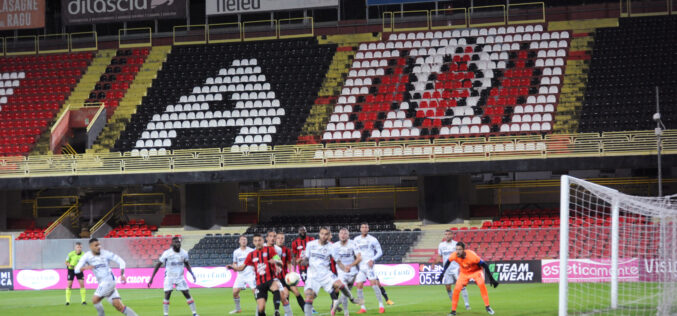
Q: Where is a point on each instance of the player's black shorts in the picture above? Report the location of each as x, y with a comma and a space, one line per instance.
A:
263, 288
72, 275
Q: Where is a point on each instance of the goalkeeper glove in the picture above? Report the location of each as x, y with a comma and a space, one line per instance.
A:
440, 277
487, 273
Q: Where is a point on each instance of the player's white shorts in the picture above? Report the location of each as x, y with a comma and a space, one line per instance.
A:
107, 290
180, 283
365, 273
317, 281
243, 281
347, 278
450, 276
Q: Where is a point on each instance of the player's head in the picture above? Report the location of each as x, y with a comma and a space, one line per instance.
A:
78, 247
176, 243
258, 241
364, 228
270, 237
460, 249
243, 241
325, 234
302, 232
344, 234
95, 246
448, 235
279, 239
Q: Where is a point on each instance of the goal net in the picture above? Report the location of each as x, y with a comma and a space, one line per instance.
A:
619, 252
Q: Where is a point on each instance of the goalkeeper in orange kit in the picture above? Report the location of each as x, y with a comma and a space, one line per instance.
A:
470, 268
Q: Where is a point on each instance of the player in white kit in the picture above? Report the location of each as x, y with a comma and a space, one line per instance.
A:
98, 260
175, 259
246, 277
347, 258
444, 250
317, 257
371, 251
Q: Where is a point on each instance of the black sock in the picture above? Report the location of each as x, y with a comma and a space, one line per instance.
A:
301, 301
383, 292
262, 313
334, 296
276, 300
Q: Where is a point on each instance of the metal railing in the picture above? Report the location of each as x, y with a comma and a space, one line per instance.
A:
106, 217
43, 203
492, 148
73, 212
440, 19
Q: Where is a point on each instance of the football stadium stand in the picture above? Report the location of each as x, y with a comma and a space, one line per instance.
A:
32, 91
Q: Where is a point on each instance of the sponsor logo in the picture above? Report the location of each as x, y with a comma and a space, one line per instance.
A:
212, 277
516, 271
6, 279
37, 279
399, 274
589, 270
657, 269
100, 11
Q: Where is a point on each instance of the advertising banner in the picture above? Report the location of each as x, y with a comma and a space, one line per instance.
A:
219, 7
207, 277
384, 2
528, 271
103, 11
591, 270
22, 14
656, 269
6, 280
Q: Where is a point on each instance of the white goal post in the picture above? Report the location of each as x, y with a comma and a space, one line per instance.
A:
618, 253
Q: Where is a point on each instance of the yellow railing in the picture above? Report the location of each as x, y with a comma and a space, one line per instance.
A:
141, 37
212, 32
345, 154
131, 200
46, 37
323, 194
83, 48
304, 20
105, 218
490, 15
268, 26
195, 34
632, 8
95, 117
61, 218
37, 206
21, 39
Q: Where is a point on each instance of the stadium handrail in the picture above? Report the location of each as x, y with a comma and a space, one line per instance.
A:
105, 218
58, 221
608, 144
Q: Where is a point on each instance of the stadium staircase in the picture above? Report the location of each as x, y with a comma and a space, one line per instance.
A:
331, 86
575, 76
77, 98
426, 246
137, 90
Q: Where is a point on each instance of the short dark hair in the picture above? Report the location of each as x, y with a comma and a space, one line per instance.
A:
304, 228
460, 243
447, 230
176, 238
343, 227
77, 243
271, 231
93, 240
256, 235
364, 223
326, 228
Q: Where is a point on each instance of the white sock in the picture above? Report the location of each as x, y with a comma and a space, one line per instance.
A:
191, 304
360, 295
344, 301
99, 309
308, 309
128, 311
451, 295
237, 304
287, 310
379, 297
466, 300
165, 306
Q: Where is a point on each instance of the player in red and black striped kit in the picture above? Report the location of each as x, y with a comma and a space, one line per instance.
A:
266, 264
298, 246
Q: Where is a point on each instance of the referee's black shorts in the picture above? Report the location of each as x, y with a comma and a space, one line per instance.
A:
72, 275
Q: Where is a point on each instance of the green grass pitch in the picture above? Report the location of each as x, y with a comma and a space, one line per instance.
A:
507, 299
